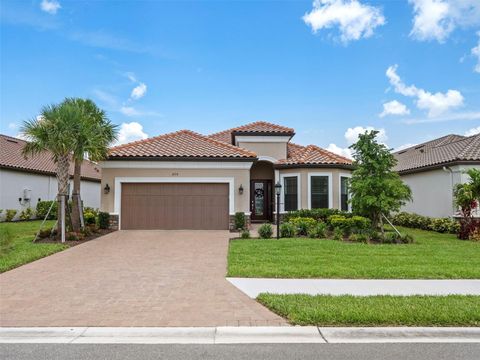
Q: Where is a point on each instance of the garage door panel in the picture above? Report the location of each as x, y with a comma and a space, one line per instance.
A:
174, 206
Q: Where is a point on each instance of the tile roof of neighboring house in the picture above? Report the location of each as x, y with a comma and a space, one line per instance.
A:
444, 150
312, 155
11, 157
258, 128
180, 144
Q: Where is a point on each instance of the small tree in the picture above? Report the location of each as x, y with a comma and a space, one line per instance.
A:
375, 187
467, 199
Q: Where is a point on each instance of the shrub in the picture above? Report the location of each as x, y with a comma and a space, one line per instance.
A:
43, 207
245, 234
93, 228
337, 233
442, 225
287, 230
103, 220
86, 231
360, 224
45, 233
239, 220
302, 224
361, 238
317, 231
6, 240
265, 231
26, 214
10, 214
89, 217
406, 239
316, 214
72, 236
391, 238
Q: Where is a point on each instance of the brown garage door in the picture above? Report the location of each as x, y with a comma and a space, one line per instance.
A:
174, 206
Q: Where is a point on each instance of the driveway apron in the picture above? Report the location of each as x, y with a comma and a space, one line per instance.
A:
132, 278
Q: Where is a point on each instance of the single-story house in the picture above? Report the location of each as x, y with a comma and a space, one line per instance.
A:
432, 170
185, 180
26, 180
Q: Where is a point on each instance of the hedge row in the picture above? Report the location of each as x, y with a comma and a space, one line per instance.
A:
441, 225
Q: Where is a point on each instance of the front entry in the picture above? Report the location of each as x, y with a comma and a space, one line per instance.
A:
261, 200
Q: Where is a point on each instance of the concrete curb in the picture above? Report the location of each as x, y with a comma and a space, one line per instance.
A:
237, 335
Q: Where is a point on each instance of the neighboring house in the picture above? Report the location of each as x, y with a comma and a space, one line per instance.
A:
184, 180
26, 180
433, 168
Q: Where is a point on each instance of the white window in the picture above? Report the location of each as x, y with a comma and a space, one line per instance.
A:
320, 190
344, 193
290, 193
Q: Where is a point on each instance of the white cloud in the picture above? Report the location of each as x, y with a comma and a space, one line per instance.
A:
476, 53
340, 151
436, 19
139, 91
473, 131
50, 6
129, 111
354, 19
394, 107
462, 116
436, 104
130, 132
13, 126
351, 135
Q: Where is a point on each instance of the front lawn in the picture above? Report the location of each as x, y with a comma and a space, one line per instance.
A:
432, 256
326, 310
24, 250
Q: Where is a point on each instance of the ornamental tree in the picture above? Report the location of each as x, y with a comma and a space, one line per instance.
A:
376, 188
467, 199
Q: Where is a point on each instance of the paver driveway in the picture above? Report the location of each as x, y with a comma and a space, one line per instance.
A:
131, 278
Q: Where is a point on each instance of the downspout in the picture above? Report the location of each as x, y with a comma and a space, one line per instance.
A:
448, 169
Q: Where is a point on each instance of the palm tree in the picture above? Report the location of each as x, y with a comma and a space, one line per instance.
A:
52, 131
93, 134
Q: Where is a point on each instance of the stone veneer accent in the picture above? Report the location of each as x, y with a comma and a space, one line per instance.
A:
113, 222
232, 222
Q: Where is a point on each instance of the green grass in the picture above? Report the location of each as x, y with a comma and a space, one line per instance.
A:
325, 310
24, 250
432, 256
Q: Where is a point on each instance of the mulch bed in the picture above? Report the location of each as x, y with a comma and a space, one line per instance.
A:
51, 240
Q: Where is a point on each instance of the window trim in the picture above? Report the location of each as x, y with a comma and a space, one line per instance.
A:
282, 192
330, 188
345, 175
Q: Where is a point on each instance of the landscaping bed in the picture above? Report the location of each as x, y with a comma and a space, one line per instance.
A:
22, 250
327, 310
432, 256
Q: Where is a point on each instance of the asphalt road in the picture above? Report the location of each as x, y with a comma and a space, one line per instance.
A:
241, 352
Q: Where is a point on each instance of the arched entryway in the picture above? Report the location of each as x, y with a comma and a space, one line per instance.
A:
261, 191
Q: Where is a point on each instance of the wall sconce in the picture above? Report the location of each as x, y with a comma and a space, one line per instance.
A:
106, 189
240, 189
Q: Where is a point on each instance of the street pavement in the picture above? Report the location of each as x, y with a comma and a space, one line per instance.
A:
404, 351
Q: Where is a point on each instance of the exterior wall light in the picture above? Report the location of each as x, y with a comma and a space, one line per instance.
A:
106, 189
240, 189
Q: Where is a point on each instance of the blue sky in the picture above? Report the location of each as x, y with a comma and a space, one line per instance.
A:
321, 68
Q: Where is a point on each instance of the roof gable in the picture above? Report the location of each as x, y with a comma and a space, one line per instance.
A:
11, 157
447, 149
312, 155
253, 129
180, 144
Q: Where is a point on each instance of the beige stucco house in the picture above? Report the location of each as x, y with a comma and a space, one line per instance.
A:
432, 169
185, 180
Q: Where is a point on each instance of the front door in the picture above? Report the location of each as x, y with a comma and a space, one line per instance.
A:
261, 199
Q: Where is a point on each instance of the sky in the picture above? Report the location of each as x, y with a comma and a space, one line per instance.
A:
329, 68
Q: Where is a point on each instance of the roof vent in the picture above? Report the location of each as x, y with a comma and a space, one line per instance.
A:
12, 141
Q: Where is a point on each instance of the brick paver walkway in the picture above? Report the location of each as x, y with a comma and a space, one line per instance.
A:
131, 278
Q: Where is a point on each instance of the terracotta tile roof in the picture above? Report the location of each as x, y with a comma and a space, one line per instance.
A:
180, 144
444, 150
11, 157
258, 127
312, 155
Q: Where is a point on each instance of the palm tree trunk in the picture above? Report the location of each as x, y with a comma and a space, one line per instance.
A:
76, 196
63, 165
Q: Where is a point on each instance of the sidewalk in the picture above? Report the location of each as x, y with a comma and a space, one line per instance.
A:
254, 286
237, 335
